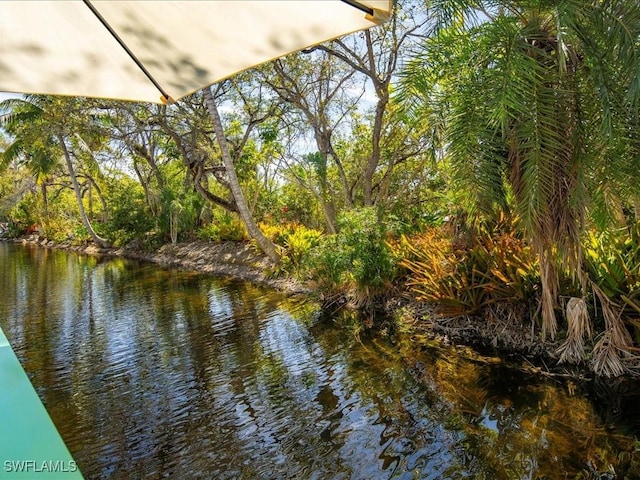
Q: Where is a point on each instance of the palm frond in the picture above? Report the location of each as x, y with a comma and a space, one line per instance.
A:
12, 153
578, 327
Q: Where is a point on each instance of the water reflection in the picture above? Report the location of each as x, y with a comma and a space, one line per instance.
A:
152, 373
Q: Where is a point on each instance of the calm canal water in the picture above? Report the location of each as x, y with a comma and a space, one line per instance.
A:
157, 373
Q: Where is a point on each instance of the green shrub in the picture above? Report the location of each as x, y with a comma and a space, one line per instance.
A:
24, 214
181, 213
57, 224
299, 243
128, 215
356, 263
224, 227
613, 263
278, 233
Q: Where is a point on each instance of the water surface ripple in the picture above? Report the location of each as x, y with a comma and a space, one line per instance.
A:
155, 373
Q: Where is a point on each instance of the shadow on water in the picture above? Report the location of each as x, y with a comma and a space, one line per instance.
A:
155, 373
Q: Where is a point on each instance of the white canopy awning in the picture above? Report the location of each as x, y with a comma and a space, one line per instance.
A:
143, 50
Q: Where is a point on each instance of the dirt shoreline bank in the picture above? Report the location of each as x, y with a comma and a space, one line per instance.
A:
237, 260
491, 337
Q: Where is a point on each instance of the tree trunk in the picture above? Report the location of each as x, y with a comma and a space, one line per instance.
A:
44, 222
382, 93
45, 197
243, 210
374, 159
90, 193
98, 191
101, 242
636, 207
323, 140
329, 214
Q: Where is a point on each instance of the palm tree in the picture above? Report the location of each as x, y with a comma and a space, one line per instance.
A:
38, 158
43, 129
533, 92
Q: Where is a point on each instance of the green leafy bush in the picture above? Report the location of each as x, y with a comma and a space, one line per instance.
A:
181, 214
57, 222
299, 243
224, 227
356, 263
295, 243
128, 217
23, 215
613, 263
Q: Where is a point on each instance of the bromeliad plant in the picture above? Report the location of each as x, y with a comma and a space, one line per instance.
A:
299, 243
465, 276
294, 243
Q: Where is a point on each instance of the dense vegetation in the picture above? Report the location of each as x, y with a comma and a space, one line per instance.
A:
481, 155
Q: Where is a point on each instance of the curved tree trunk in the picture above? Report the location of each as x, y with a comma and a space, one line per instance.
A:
243, 209
101, 242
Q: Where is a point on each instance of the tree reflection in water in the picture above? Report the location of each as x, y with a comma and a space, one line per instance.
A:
151, 373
